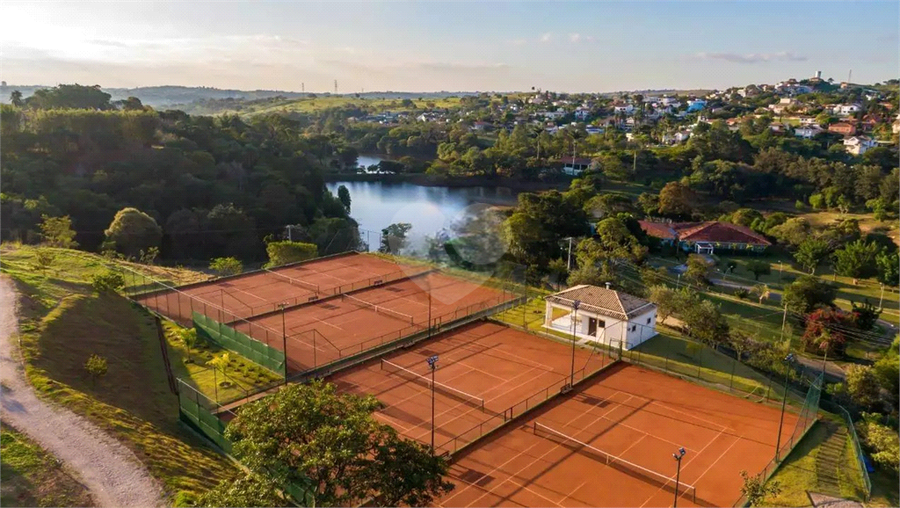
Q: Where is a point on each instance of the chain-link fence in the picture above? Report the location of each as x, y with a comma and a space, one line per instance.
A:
807, 416
859, 456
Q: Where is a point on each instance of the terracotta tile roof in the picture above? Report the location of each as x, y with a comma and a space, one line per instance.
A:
658, 229
715, 231
603, 301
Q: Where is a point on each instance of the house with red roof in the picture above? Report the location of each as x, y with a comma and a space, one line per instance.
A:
706, 237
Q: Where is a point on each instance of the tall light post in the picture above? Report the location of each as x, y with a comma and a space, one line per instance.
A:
432, 363
575, 305
284, 341
788, 361
678, 456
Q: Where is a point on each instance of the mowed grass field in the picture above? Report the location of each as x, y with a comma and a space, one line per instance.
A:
29, 476
63, 321
322, 102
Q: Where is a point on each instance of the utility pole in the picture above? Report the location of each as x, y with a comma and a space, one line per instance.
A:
569, 262
783, 321
303, 87
881, 300
335, 86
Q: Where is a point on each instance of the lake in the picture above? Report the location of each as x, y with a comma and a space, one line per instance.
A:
430, 210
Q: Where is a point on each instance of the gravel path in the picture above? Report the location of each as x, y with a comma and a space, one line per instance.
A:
110, 471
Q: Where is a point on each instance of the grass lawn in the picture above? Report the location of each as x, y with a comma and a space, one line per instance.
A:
797, 474
322, 102
29, 476
62, 322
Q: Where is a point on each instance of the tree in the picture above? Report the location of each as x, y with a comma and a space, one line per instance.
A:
677, 200
667, 300
888, 268
393, 237
96, 367
250, 490
882, 442
344, 196
221, 363
697, 269
44, 259
588, 274
705, 322
865, 316
189, 338
15, 98
793, 232
132, 231
807, 293
285, 252
761, 291
109, 281
863, 386
824, 332
226, 266
57, 232
308, 434
811, 252
857, 260
559, 269
758, 267
756, 489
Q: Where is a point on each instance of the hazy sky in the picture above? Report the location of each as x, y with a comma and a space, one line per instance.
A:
426, 46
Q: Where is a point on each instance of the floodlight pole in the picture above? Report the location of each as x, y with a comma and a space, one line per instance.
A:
284, 341
678, 456
789, 361
432, 363
575, 305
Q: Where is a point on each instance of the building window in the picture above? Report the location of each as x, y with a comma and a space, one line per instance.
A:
601, 323
648, 320
634, 328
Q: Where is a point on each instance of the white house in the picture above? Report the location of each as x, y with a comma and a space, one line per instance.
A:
808, 131
846, 109
552, 115
601, 315
623, 108
858, 145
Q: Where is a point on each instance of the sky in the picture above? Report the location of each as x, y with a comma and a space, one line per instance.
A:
594, 46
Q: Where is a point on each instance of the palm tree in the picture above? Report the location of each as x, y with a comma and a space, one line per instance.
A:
537, 130
16, 99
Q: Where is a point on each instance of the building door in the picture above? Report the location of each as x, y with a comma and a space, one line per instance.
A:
592, 327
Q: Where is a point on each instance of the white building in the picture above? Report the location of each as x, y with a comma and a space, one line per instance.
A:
846, 109
808, 131
858, 145
605, 316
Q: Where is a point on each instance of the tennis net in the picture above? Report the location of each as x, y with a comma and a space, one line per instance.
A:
293, 281
393, 368
618, 462
379, 309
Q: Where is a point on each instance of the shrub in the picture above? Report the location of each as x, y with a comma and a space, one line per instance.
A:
741, 293
96, 367
109, 281
282, 253
226, 266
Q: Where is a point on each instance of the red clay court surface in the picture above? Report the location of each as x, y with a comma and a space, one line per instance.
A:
255, 293
638, 415
499, 365
334, 328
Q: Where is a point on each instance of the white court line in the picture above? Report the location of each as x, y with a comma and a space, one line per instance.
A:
632, 445
688, 463
667, 408
535, 493
526, 466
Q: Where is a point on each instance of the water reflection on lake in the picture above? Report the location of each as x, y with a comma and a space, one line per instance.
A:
430, 210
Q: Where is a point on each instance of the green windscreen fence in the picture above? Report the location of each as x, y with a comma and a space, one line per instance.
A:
233, 340
193, 410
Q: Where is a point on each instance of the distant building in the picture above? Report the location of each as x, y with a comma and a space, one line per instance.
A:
574, 166
706, 237
846, 109
842, 128
858, 145
808, 131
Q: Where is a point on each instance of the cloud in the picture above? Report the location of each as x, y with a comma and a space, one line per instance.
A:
575, 37
546, 37
752, 58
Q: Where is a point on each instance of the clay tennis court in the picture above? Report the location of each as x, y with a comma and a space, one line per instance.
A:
484, 370
255, 293
638, 416
327, 330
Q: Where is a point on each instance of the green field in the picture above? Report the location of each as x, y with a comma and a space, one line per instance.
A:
29, 476
320, 103
63, 321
